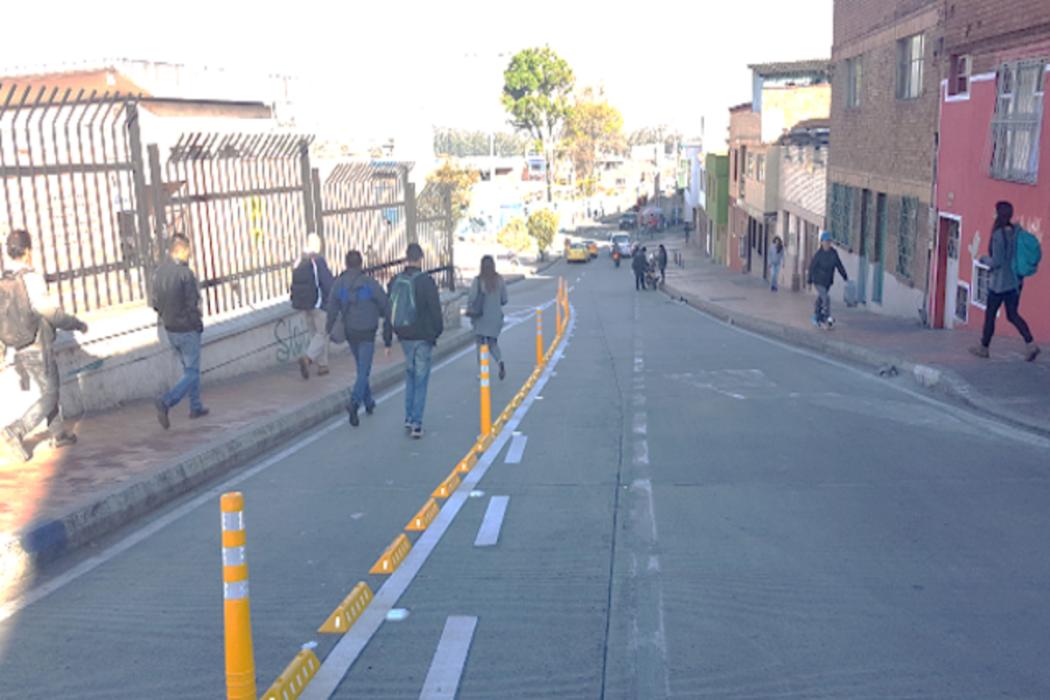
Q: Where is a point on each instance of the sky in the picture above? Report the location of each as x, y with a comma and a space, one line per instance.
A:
399, 69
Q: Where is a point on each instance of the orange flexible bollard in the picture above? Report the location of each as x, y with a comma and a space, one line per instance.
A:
539, 337
240, 657
486, 393
557, 307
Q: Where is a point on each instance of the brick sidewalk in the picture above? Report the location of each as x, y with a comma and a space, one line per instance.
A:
1005, 385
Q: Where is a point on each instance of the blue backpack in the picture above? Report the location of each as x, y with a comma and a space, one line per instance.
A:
1027, 255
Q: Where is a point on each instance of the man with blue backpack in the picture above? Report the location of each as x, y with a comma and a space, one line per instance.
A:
1013, 255
359, 301
415, 315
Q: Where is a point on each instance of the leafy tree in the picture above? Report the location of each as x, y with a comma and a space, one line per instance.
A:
515, 236
447, 177
592, 128
536, 90
542, 226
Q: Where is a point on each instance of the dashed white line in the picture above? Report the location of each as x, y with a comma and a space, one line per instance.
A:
517, 449
446, 668
488, 533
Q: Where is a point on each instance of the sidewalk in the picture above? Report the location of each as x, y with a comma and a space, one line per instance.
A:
1005, 386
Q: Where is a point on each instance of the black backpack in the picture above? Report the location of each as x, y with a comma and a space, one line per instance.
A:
19, 324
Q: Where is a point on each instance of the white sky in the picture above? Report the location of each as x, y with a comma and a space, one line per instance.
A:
392, 68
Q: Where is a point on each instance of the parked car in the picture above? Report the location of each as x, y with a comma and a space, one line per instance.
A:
622, 243
578, 253
592, 248
628, 221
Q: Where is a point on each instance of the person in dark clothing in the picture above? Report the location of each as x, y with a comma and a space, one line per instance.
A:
416, 318
661, 261
360, 302
822, 274
638, 264
311, 284
176, 299
1004, 284
33, 317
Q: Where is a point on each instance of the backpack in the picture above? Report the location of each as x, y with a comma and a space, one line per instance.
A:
19, 324
403, 301
1027, 254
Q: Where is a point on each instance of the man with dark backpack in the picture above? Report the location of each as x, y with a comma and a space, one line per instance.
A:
28, 319
358, 301
415, 315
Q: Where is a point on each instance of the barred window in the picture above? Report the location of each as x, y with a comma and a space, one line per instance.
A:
842, 203
1017, 122
907, 233
981, 275
910, 69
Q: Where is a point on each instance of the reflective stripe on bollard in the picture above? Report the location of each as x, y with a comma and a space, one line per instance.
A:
240, 658
486, 393
539, 337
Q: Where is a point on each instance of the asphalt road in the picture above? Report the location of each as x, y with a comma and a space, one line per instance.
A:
697, 513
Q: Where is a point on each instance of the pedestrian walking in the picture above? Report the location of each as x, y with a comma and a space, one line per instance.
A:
29, 317
776, 259
822, 274
639, 265
1004, 284
358, 301
415, 316
661, 261
488, 296
176, 299
311, 284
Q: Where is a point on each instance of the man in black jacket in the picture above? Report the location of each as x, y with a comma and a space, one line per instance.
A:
311, 284
639, 263
415, 315
177, 300
360, 302
822, 275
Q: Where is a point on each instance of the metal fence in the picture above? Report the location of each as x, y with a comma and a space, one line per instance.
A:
101, 207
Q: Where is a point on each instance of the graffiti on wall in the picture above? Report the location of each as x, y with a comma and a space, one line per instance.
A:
291, 337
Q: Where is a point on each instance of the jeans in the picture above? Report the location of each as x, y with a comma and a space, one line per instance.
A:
774, 275
493, 344
639, 280
317, 350
188, 347
417, 375
363, 352
1011, 300
822, 307
40, 365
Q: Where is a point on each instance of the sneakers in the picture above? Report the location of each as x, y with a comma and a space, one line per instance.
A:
63, 440
322, 370
162, 413
304, 367
417, 432
815, 320
1031, 351
370, 407
502, 372
408, 425
351, 409
980, 351
14, 441
194, 415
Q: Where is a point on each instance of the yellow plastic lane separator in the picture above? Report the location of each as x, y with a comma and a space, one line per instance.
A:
349, 610
539, 337
392, 556
240, 657
295, 677
421, 520
486, 393
467, 463
446, 487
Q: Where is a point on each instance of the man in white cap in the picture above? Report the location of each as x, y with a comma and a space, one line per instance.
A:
311, 282
822, 275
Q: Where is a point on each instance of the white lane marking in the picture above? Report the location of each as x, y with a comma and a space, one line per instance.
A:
446, 668
516, 450
641, 452
639, 400
338, 662
42, 591
488, 533
641, 424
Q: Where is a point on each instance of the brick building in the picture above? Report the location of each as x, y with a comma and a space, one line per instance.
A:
745, 135
882, 148
994, 145
802, 196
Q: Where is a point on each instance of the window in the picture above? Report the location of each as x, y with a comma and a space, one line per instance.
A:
751, 165
906, 235
910, 52
959, 80
1017, 122
842, 202
854, 82
962, 302
760, 168
980, 285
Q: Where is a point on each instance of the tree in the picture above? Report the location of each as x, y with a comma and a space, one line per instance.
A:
542, 226
448, 177
592, 128
536, 89
514, 236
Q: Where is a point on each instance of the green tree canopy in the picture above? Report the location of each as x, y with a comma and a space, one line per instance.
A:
514, 236
593, 127
542, 226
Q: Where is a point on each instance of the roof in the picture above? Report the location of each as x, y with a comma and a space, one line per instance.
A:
791, 68
743, 106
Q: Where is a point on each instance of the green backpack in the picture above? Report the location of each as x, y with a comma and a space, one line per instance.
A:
1027, 255
403, 301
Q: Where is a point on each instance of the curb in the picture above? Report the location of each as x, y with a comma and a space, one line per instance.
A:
42, 542
926, 377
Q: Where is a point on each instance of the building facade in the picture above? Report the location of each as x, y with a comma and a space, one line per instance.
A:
802, 196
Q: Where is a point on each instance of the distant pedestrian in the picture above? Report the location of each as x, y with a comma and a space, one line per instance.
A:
488, 296
1004, 284
358, 302
176, 298
822, 274
415, 315
776, 259
639, 265
311, 283
28, 319
661, 261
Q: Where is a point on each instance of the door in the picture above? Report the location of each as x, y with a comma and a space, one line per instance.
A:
878, 248
951, 229
867, 212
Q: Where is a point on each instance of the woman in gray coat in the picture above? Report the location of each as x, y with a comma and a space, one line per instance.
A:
488, 296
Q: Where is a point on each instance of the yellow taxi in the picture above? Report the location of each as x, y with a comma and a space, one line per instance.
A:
577, 253
592, 248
